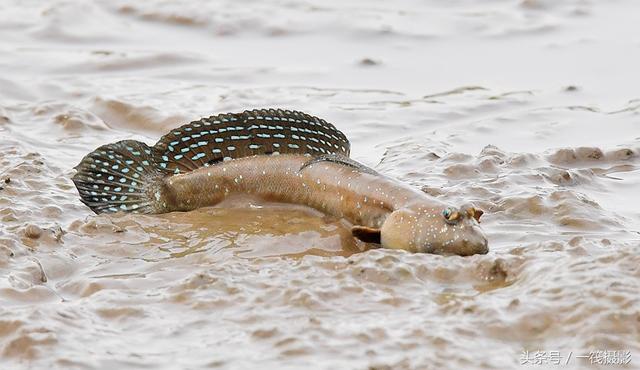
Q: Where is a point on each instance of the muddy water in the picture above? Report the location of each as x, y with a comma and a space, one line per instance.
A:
530, 109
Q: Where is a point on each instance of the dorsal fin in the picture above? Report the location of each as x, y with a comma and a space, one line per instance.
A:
337, 158
256, 132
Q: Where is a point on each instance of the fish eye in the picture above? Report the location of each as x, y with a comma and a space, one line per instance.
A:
451, 215
471, 212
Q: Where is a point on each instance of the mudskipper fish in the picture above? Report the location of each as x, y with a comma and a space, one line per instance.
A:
280, 156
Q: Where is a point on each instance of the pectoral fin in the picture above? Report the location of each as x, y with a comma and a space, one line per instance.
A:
366, 234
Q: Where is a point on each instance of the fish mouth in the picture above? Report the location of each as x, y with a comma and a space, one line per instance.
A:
485, 248
477, 246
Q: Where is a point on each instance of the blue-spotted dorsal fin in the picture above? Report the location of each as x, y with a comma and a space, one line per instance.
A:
121, 176
256, 132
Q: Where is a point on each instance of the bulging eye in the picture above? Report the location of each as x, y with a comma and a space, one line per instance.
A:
451, 215
471, 212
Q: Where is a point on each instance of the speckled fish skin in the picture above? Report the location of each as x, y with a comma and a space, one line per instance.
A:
408, 219
277, 155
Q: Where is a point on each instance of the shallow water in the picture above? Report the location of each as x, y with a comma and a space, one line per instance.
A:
529, 109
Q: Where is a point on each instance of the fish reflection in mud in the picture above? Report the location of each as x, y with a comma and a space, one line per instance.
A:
258, 231
548, 147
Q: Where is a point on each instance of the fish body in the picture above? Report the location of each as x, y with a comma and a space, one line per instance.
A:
279, 156
329, 187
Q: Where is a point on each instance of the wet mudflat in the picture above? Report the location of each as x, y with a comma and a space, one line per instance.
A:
529, 109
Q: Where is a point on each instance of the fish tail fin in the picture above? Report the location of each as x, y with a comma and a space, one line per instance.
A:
121, 176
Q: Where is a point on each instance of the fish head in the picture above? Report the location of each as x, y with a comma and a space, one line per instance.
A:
435, 229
